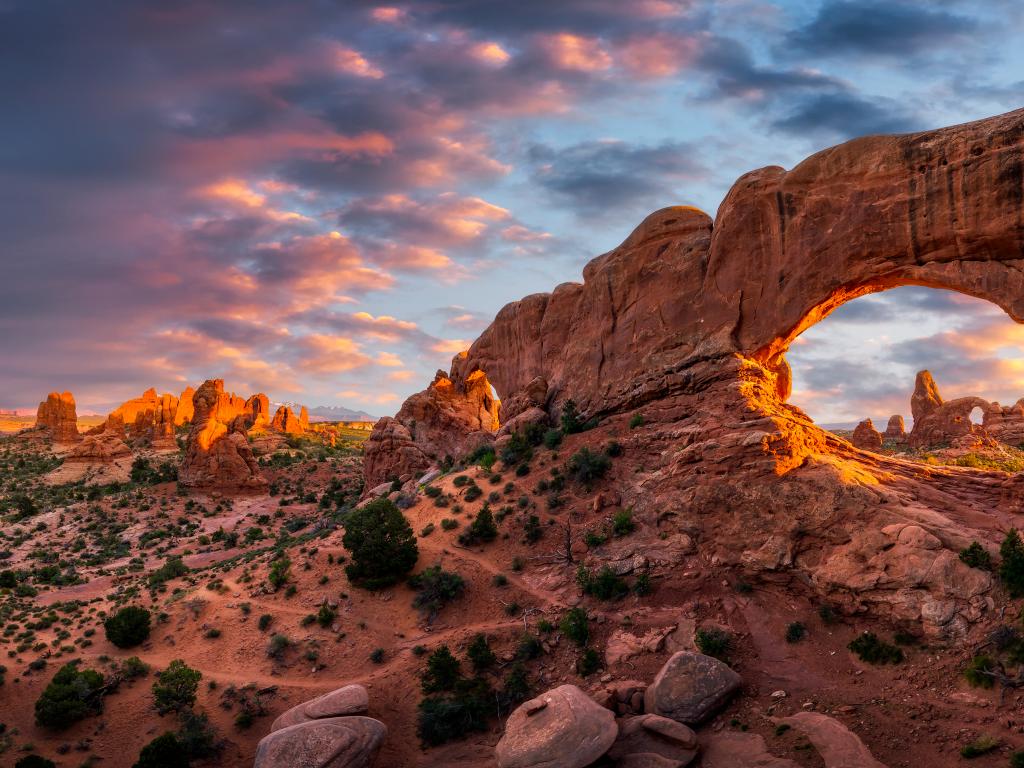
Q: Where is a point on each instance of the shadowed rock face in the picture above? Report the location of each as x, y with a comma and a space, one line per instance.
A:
688, 322
58, 415
217, 455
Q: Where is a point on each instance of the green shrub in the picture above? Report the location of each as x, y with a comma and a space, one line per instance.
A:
175, 687
515, 687
435, 589
326, 615
1017, 759
382, 544
34, 761
874, 651
588, 663
480, 654
622, 522
472, 493
164, 751
128, 627
1011, 570
636, 420
73, 694
264, 622
586, 466
642, 586
280, 572
278, 645
172, 568
714, 642
604, 585
795, 632
975, 673
532, 532
447, 717
575, 626
482, 529
980, 746
552, 439
976, 556
377, 656
571, 423
442, 672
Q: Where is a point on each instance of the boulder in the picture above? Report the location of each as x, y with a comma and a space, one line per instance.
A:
649, 734
866, 437
348, 700
838, 746
563, 728
57, 415
334, 742
895, 430
691, 687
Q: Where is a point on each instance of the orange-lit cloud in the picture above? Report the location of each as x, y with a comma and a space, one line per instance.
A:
576, 52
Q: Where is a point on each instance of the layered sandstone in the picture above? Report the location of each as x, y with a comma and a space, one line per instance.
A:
57, 415
447, 419
895, 431
258, 407
217, 453
285, 421
687, 323
150, 418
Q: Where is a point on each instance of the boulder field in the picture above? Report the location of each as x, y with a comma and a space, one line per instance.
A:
684, 328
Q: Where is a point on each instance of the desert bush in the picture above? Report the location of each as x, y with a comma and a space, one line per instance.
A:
795, 632
976, 673
1011, 570
34, 761
588, 663
128, 627
571, 423
442, 671
72, 694
586, 466
280, 571
264, 622
532, 532
604, 585
976, 556
622, 522
446, 717
875, 651
278, 645
164, 751
175, 688
382, 544
574, 625
636, 420
552, 438
714, 642
480, 654
172, 568
482, 529
980, 746
435, 589
326, 615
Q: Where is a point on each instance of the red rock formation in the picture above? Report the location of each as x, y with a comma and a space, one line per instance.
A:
689, 324
866, 437
57, 415
285, 421
896, 431
1006, 424
185, 412
304, 418
938, 423
150, 418
258, 407
217, 455
446, 419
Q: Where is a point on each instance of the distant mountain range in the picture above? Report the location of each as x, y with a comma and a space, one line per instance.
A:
335, 413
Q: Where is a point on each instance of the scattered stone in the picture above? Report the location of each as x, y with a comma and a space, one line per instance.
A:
691, 687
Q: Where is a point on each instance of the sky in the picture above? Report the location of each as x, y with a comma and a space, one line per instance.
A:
325, 200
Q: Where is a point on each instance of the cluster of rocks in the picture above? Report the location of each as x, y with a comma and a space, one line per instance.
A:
566, 728
945, 423
330, 731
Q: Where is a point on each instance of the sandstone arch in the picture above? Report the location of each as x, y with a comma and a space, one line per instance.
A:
688, 322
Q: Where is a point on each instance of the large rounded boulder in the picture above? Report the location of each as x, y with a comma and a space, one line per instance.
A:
691, 687
335, 742
348, 700
563, 728
653, 740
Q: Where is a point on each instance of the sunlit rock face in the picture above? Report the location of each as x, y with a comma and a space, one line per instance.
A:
286, 421
58, 416
150, 418
217, 454
446, 419
866, 437
938, 423
688, 321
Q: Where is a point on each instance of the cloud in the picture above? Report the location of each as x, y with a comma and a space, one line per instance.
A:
892, 28
605, 175
844, 115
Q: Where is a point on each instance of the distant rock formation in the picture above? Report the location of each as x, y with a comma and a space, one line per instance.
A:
304, 418
285, 421
217, 454
57, 415
150, 418
896, 431
1006, 424
185, 411
101, 457
866, 437
941, 423
446, 419
258, 407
